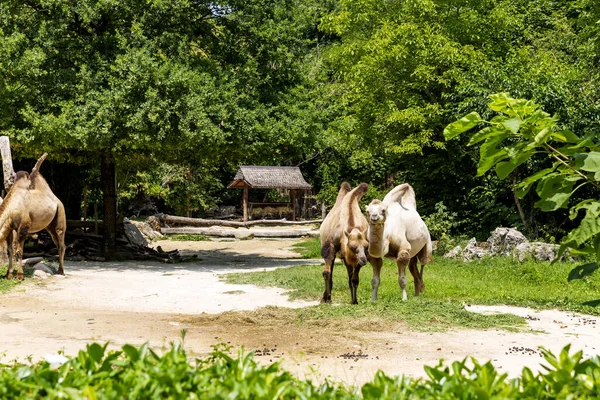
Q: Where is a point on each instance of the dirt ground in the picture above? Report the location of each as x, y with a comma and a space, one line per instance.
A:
150, 302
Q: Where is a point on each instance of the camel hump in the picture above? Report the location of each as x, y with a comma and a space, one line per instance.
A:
403, 194
344, 189
359, 192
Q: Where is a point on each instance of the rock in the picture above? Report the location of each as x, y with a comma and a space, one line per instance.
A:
147, 230
44, 268
134, 236
472, 251
504, 241
154, 223
39, 274
243, 233
454, 253
538, 251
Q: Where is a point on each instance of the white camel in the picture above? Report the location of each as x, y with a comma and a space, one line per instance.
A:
397, 232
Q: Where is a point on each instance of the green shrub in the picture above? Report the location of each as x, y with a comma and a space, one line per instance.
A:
140, 373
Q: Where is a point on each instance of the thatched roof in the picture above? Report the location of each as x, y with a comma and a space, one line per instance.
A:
261, 177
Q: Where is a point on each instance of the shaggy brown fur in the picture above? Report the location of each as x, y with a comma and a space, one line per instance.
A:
29, 207
344, 233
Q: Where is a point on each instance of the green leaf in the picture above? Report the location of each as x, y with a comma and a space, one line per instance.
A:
503, 169
543, 135
462, 125
481, 135
566, 136
589, 162
95, 351
555, 190
131, 352
512, 124
588, 228
489, 153
526, 183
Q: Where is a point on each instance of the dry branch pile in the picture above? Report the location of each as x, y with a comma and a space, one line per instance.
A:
84, 246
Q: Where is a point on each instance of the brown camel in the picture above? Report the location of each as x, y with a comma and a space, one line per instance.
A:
29, 207
344, 233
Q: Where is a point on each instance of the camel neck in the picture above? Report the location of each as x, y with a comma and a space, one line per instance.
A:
376, 240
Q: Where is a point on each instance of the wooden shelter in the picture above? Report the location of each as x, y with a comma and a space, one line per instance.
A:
269, 177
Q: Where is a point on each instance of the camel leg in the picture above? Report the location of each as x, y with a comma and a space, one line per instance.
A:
414, 270
376, 263
57, 229
402, 261
353, 280
21, 236
328, 254
424, 258
11, 253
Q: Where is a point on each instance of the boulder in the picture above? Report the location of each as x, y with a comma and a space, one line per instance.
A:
44, 268
473, 251
454, 253
243, 233
504, 241
538, 251
39, 274
133, 235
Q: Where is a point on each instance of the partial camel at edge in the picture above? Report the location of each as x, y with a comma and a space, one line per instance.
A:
344, 234
29, 207
397, 232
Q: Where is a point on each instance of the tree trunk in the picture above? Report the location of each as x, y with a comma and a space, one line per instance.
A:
109, 189
7, 164
518, 204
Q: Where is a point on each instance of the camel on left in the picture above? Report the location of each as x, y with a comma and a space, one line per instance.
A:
29, 207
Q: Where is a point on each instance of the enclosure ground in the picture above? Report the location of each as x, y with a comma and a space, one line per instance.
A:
150, 302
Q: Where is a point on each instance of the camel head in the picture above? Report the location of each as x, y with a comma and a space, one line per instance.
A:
376, 212
357, 244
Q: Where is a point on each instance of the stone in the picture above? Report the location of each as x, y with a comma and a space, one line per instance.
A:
504, 241
472, 251
538, 251
43, 267
134, 236
243, 234
39, 274
454, 253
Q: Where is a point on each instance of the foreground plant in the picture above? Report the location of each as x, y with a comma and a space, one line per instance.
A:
140, 373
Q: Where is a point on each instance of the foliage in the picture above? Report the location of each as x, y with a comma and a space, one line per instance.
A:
141, 373
518, 135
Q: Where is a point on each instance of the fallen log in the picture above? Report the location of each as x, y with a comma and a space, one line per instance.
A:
238, 233
172, 219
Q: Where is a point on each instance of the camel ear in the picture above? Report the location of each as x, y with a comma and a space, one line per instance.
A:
347, 233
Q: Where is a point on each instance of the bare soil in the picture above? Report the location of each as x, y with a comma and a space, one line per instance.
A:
134, 302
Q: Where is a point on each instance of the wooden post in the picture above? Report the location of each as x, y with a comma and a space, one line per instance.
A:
293, 198
245, 203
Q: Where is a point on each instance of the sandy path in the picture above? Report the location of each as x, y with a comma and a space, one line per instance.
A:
139, 302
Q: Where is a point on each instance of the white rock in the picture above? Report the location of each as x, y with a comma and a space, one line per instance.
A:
504, 241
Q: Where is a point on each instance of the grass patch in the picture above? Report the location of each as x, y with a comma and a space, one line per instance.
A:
449, 285
234, 292
308, 248
188, 238
9, 284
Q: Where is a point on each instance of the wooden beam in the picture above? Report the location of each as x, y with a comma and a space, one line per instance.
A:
172, 219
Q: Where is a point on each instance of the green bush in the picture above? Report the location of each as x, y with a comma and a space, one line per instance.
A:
140, 373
